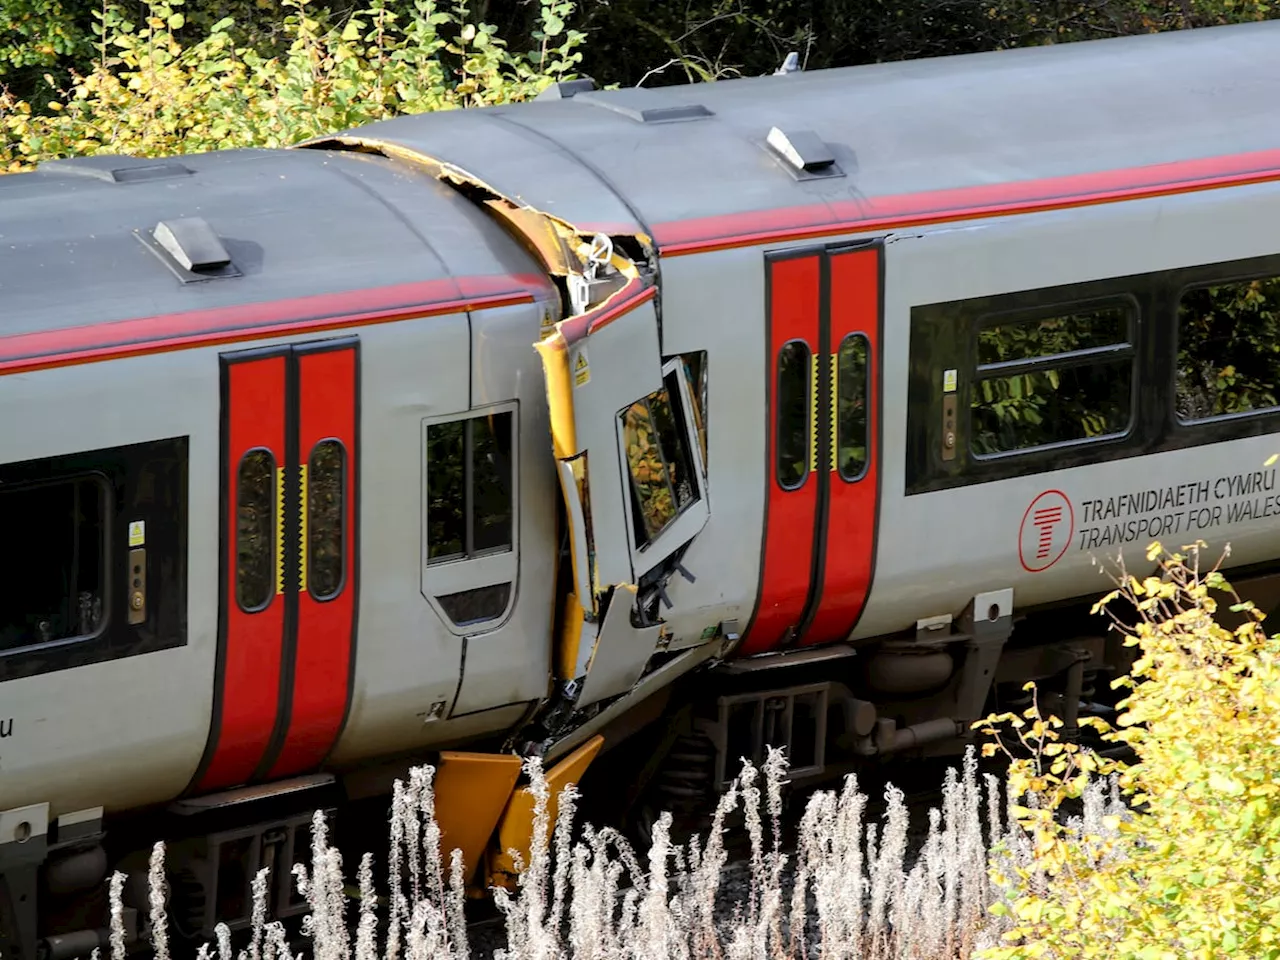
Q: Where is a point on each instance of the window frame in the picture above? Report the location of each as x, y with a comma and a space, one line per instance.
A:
1175, 310
343, 522
869, 367
120, 469
1128, 349
810, 399
447, 576
273, 536
689, 521
939, 340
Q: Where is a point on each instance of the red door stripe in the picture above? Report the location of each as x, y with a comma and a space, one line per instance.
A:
328, 387
787, 564
851, 498
249, 650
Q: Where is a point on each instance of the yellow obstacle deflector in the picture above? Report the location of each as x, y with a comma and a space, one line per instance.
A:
471, 791
515, 832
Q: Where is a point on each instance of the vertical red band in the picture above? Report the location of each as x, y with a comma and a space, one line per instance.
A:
247, 694
327, 391
787, 562
851, 503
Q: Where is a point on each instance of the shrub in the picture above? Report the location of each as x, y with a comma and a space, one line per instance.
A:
1193, 869
150, 95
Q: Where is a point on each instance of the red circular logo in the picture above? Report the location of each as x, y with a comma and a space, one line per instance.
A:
1046, 531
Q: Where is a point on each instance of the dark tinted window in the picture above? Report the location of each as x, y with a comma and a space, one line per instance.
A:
491, 476
1051, 406
255, 529
473, 606
794, 422
470, 487
1052, 380
326, 497
1050, 336
1229, 349
852, 384
55, 579
446, 490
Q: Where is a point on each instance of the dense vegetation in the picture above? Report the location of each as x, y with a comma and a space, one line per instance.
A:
666, 42
152, 76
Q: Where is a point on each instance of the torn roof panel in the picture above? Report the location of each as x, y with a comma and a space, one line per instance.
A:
518, 162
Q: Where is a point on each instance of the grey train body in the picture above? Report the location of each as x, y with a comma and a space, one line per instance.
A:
169, 327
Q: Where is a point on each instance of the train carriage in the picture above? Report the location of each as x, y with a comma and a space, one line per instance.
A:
793, 410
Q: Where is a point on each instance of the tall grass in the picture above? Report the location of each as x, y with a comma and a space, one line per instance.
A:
848, 887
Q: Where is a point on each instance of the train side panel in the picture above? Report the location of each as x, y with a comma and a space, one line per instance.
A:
712, 304
87, 724
409, 663
939, 548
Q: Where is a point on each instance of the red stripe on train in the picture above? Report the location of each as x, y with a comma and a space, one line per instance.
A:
25, 352
725, 231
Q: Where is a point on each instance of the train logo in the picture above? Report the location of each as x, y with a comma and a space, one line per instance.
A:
1046, 529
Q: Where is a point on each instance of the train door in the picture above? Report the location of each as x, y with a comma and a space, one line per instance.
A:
287, 617
634, 485
822, 414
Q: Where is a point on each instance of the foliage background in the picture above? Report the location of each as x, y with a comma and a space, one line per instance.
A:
629, 41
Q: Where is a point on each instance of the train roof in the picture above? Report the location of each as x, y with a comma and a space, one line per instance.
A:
77, 247
696, 153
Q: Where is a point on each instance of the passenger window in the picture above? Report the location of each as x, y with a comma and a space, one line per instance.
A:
852, 386
1227, 349
1052, 380
326, 498
1035, 340
794, 423
470, 487
255, 530
56, 591
660, 462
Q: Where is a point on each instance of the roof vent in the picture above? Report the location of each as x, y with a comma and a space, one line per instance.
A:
803, 153
645, 106
566, 89
116, 169
190, 249
192, 243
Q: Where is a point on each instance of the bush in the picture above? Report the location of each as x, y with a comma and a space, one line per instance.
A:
150, 95
1193, 869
